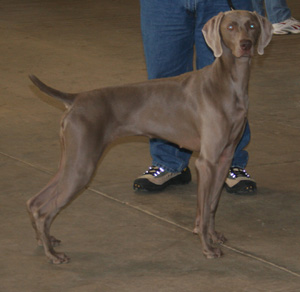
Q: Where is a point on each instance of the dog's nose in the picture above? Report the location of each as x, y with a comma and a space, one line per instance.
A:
246, 45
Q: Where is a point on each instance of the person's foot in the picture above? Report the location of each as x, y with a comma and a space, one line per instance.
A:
157, 179
239, 182
290, 25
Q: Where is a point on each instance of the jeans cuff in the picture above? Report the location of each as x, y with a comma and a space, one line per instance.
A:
166, 168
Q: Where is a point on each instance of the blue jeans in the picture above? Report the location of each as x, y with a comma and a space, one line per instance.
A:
171, 29
277, 10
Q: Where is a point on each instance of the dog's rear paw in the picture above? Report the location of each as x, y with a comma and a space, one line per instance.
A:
217, 237
213, 253
196, 230
59, 258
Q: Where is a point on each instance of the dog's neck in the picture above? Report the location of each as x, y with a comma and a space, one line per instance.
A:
238, 75
238, 68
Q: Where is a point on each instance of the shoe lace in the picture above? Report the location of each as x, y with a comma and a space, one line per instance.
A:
154, 171
235, 172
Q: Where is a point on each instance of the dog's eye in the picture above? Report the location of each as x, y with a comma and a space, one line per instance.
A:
252, 26
230, 27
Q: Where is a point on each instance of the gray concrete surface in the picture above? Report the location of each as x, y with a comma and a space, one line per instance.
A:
119, 240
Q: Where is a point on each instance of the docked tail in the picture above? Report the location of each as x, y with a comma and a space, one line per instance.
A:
66, 98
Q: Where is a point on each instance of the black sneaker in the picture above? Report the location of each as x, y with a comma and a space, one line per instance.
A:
156, 179
239, 182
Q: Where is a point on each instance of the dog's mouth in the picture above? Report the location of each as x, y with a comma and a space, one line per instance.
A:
243, 54
247, 53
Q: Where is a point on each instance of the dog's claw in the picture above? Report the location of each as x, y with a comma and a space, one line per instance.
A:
213, 253
218, 238
196, 230
59, 258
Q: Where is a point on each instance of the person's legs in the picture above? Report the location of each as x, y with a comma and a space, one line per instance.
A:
279, 14
168, 37
259, 7
277, 10
169, 33
205, 57
169, 156
238, 180
170, 28
241, 156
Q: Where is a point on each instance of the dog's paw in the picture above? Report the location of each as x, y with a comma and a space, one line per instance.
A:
196, 230
59, 258
217, 238
213, 253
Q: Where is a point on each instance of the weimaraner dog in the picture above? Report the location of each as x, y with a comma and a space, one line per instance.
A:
211, 103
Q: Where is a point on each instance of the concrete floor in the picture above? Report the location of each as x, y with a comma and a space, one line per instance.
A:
119, 240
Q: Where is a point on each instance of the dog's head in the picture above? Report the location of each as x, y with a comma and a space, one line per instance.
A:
240, 31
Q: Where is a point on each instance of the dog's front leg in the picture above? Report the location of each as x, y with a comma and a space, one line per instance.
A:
204, 226
221, 173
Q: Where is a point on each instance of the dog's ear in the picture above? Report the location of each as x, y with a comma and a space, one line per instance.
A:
266, 32
211, 32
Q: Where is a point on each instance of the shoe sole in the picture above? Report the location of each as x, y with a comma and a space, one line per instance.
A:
280, 33
147, 186
285, 32
243, 187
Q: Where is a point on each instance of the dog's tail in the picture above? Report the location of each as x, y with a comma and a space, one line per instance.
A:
66, 98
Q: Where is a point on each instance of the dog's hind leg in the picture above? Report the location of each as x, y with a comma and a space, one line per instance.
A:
81, 149
35, 203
